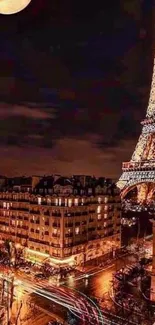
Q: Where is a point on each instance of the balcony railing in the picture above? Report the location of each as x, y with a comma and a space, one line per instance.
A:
68, 225
47, 213
55, 245
22, 236
34, 212
69, 235
19, 209
56, 214
56, 225
4, 223
55, 255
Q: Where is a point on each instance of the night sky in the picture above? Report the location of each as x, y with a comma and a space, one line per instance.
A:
74, 85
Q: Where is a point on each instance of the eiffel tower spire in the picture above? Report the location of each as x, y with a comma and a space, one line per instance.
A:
139, 172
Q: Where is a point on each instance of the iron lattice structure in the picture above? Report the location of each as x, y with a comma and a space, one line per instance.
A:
139, 172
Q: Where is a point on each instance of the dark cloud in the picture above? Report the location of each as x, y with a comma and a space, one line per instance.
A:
88, 75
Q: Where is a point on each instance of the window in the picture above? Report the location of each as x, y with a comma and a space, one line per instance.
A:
54, 231
99, 199
106, 207
45, 183
69, 202
4, 204
65, 202
56, 201
99, 217
105, 224
106, 199
49, 201
60, 202
82, 201
76, 202
99, 209
105, 215
39, 200
77, 230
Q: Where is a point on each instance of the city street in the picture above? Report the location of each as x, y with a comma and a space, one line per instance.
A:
95, 283
74, 293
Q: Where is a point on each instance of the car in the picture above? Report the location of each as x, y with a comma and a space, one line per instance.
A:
25, 269
40, 276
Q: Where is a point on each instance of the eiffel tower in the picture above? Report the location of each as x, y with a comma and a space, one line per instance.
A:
139, 172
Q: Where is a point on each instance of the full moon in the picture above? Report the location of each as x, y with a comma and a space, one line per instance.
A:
9, 7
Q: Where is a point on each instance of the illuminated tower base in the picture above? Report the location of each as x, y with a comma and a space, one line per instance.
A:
152, 295
139, 173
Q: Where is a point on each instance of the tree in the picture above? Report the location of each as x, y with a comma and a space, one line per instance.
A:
7, 245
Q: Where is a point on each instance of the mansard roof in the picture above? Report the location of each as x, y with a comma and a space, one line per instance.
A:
45, 182
80, 183
19, 181
63, 181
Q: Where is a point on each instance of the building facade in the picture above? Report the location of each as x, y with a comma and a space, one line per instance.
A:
68, 220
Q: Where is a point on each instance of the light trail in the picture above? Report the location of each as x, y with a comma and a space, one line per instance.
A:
38, 292
82, 307
88, 275
93, 303
78, 312
36, 289
102, 320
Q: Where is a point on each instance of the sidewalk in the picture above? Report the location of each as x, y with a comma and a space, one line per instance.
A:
89, 268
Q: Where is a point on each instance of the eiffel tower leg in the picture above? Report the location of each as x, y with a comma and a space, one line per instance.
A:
152, 295
142, 192
151, 192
